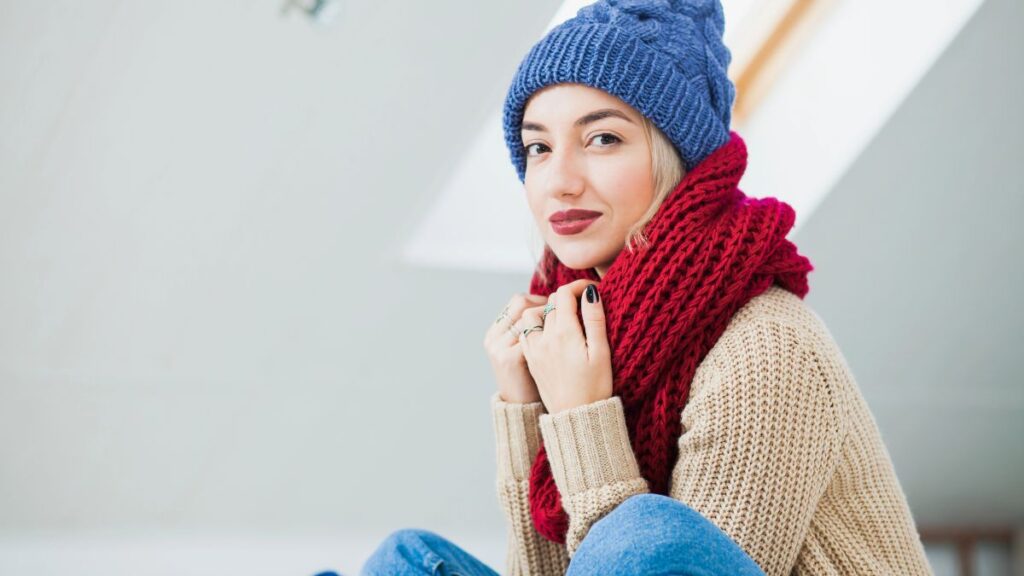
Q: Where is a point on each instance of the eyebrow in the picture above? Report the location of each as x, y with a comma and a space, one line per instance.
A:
583, 120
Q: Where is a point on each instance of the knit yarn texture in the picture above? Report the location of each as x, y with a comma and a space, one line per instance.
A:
711, 250
665, 58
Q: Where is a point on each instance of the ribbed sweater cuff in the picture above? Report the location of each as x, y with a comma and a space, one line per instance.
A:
517, 434
588, 446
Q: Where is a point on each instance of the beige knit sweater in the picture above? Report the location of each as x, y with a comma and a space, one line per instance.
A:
778, 449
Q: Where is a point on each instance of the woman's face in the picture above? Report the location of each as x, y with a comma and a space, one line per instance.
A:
585, 150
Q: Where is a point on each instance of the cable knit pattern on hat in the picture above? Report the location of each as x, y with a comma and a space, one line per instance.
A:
665, 58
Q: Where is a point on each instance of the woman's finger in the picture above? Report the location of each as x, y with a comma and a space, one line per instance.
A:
529, 319
514, 309
566, 298
594, 323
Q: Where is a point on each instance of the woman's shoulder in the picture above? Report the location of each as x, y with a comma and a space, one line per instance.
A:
776, 338
776, 305
778, 314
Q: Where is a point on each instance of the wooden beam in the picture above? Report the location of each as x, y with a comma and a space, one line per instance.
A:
965, 538
752, 81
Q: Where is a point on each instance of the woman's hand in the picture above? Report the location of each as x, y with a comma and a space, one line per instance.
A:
501, 342
571, 364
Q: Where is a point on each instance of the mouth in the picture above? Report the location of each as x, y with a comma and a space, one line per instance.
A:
570, 226
573, 214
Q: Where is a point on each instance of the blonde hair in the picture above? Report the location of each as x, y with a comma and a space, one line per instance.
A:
668, 170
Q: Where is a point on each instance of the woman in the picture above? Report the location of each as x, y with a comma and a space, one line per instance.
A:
667, 402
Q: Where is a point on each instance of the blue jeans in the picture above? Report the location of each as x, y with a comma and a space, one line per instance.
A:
646, 534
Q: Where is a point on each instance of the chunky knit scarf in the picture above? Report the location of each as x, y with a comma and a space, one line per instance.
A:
711, 250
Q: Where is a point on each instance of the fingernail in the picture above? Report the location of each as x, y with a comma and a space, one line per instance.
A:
592, 294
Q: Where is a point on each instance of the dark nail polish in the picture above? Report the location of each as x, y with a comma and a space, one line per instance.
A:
592, 294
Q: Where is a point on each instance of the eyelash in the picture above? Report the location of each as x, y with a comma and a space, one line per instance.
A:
526, 148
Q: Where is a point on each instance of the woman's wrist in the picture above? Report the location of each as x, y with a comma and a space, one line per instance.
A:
513, 399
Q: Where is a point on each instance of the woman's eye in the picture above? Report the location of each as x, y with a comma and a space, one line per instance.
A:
526, 149
605, 134
614, 140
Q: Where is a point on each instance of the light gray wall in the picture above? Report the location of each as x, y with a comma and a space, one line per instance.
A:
920, 272
205, 326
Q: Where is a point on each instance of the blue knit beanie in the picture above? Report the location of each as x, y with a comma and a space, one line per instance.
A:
665, 58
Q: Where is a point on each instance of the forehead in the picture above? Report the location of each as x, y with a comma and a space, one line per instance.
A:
565, 102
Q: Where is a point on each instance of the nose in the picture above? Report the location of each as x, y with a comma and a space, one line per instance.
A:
564, 174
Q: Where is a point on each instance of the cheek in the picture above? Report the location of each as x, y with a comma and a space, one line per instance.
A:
631, 193
536, 205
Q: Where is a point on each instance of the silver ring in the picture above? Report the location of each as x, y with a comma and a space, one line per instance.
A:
531, 329
549, 307
503, 315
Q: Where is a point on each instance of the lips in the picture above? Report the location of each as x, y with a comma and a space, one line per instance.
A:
573, 221
573, 214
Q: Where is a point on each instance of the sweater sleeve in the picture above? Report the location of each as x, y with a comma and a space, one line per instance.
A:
518, 441
592, 463
761, 437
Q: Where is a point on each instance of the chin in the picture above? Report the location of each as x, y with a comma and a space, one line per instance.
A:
579, 257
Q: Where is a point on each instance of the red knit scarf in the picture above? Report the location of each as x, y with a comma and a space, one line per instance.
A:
711, 250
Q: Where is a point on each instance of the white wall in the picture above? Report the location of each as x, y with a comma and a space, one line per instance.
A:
210, 356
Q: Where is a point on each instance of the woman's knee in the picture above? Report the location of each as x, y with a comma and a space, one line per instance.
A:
643, 513
401, 552
650, 518
413, 551
403, 538
647, 531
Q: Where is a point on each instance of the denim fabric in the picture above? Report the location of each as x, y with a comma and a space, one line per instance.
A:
648, 534
655, 534
412, 551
